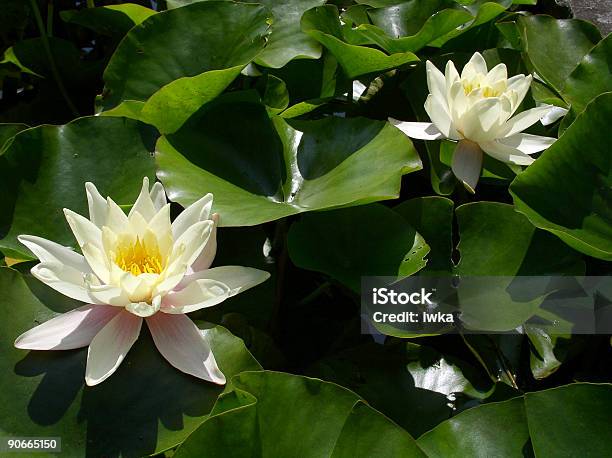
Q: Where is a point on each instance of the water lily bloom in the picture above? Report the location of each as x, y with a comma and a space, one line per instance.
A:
476, 109
136, 267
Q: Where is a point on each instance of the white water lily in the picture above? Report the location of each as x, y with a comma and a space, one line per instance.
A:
476, 109
134, 267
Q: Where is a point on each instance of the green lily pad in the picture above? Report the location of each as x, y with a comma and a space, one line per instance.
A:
156, 52
350, 243
254, 420
260, 169
111, 20
556, 46
323, 24
409, 26
591, 77
432, 217
495, 429
49, 166
44, 394
574, 171
499, 243
570, 420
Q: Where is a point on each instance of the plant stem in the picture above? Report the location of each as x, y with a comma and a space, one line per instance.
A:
90, 4
279, 245
50, 18
47, 47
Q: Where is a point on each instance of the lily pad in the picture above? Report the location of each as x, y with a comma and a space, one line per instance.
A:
576, 171
323, 24
49, 165
254, 421
555, 47
354, 242
260, 169
156, 52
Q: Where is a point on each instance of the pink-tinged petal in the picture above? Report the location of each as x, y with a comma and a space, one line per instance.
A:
184, 346
97, 205
419, 130
467, 164
209, 252
527, 143
109, 347
237, 278
48, 251
144, 205
195, 296
194, 213
74, 329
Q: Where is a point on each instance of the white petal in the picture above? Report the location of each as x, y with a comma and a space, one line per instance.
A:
97, 260
520, 85
194, 213
458, 102
207, 256
109, 347
481, 122
116, 219
195, 296
451, 75
436, 83
144, 205
475, 66
420, 130
84, 230
441, 119
158, 195
160, 229
523, 120
184, 252
73, 329
506, 153
527, 143
144, 309
180, 341
467, 164
237, 278
108, 294
193, 241
64, 279
553, 115
497, 73
48, 251
97, 205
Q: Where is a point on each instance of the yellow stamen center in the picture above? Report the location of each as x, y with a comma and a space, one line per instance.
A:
487, 91
139, 259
